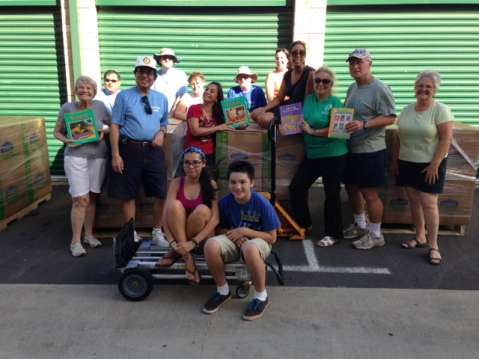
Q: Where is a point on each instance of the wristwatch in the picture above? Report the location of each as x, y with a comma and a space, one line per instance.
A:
365, 125
195, 242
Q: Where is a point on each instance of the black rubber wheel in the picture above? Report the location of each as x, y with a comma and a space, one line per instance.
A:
242, 291
136, 284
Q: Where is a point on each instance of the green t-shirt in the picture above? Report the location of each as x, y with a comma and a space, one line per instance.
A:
418, 132
369, 101
318, 114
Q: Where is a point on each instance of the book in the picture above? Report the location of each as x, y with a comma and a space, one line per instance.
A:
339, 118
291, 118
81, 127
236, 112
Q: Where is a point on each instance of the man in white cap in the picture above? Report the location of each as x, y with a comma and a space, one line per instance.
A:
374, 109
170, 81
140, 120
254, 96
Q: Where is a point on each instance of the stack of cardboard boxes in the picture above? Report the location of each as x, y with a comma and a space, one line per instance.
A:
24, 164
455, 204
253, 145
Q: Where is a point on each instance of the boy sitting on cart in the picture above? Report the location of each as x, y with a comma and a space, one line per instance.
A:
247, 230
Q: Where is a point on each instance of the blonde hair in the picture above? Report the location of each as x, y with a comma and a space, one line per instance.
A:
87, 81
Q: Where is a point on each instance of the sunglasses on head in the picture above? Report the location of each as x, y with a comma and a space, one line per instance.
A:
144, 99
108, 80
296, 52
317, 81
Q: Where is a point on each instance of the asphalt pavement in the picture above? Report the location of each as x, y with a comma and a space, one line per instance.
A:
337, 302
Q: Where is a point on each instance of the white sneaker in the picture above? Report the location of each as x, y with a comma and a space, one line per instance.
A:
158, 238
92, 241
369, 241
77, 250
137, 237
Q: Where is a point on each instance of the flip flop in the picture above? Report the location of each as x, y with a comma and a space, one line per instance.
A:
432, 260
194, 273
327, 242
171, 256
406, 245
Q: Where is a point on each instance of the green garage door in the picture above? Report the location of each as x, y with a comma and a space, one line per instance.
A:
32, 78
212, 40
403, 41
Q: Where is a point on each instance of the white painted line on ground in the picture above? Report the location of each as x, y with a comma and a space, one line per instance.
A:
313, 265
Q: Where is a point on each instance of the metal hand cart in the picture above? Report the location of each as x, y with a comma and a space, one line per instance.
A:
137, 263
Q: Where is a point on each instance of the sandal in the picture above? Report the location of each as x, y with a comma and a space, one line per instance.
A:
327, 242
168, 259
408, 245
194, 272
433, 260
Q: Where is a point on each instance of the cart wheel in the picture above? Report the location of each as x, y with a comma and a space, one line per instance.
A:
242, 290
136, 284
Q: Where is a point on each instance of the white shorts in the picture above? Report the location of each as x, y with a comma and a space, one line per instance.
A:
84, 174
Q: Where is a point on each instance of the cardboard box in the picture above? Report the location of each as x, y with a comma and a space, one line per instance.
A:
109, 212
14, 193
455, 204
173, 147
38, 174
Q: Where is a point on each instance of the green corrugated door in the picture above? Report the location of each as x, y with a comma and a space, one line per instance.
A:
32, 79
405, 40
214, 41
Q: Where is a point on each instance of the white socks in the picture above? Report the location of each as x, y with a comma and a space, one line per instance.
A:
375, 228
223, 290
260, 295
360, 219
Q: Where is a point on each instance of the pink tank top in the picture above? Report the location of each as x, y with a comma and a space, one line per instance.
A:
189, 205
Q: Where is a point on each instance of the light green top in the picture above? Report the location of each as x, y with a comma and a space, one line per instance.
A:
418, 132
318, 115
369, 101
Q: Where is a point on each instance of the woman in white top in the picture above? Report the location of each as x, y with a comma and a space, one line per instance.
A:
274, 79
197, 82
421, 144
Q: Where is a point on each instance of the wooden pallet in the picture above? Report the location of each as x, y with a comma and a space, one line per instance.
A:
112, 232
452, 230
22, 213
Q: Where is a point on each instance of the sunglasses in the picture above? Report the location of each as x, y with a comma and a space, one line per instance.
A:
113, 81
317, 81
167, 57
144, 99
296, 53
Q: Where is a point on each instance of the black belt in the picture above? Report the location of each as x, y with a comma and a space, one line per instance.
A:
139, 143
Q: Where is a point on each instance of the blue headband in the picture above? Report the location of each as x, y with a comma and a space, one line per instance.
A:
195, 150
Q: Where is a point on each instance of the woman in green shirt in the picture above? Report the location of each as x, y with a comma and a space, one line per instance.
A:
325, 157
421, 144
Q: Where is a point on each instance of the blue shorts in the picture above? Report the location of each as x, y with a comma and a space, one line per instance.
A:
409, 175
145, 164
366, 170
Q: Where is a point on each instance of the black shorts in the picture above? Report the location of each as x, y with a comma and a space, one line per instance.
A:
409, 175
145, 164
366, 170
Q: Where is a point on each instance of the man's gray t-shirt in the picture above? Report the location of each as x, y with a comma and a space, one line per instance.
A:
91, 149
369, 101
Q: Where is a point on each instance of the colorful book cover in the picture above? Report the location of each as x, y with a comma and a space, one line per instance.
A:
339, 118
236, 112
81, 127
291, 118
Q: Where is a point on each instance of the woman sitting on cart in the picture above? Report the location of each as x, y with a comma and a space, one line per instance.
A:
191, 212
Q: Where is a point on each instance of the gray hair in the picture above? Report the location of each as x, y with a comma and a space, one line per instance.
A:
86, 80
328, 71
433, 75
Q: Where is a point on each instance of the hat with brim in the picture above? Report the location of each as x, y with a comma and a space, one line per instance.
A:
244, 70
166, 52
146, 61
360, 54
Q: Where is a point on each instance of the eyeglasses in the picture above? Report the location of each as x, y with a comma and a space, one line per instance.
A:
144, 99
113, 81
317, 81
295, 53
422, 87
195, 164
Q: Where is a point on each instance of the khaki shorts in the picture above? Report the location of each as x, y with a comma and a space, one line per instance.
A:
231, 253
